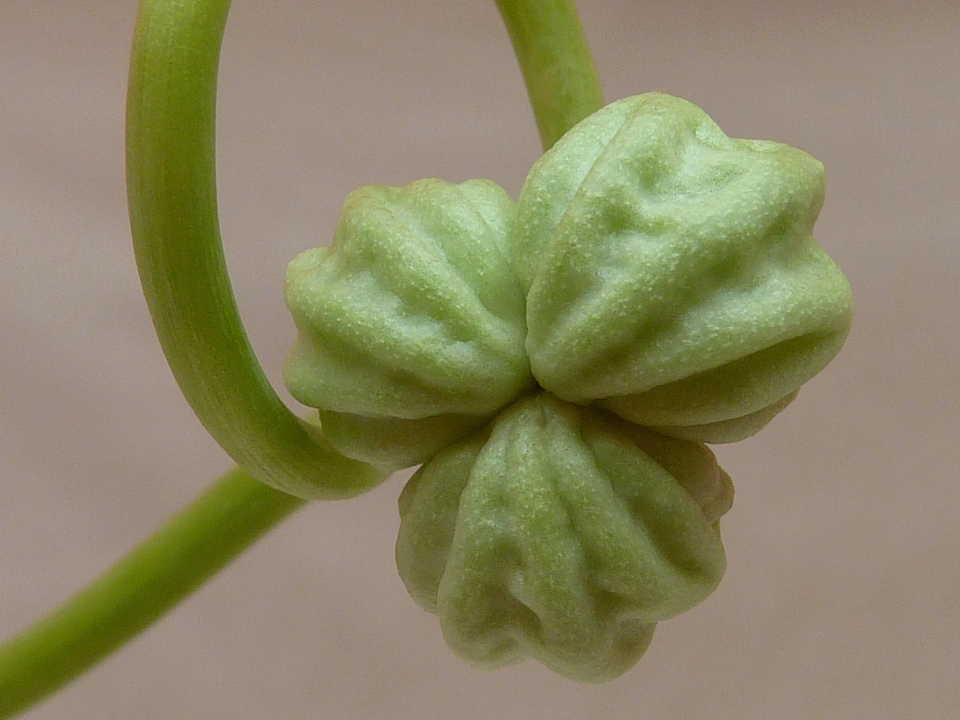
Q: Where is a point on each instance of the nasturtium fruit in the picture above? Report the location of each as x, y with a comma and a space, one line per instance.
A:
560, 533
411, 323
671, 274
556, 364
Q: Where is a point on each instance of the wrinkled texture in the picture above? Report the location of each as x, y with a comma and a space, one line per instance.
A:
671, 273
560, 536
557, 364
411, 324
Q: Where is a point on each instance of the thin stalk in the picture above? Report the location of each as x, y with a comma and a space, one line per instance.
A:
556, 63
171, 181
223, 522
173, 208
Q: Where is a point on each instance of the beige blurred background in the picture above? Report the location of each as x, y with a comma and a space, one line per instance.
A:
842, 598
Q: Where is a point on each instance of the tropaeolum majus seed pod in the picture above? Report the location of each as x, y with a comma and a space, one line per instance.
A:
556, 364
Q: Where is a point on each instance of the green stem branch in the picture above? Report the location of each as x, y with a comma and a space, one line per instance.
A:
556, 63
193, 546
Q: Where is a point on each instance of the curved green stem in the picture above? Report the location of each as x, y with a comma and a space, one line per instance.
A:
173, 209
556, 63
148, 582
171, 181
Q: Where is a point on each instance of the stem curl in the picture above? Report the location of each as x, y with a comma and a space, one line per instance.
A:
171, 182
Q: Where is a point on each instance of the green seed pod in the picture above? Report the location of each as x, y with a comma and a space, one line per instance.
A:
663, 281
411, 324
670, 271
562, 533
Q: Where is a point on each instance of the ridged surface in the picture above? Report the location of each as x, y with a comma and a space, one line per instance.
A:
412, 313
562, 534
671, 270
664, 282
